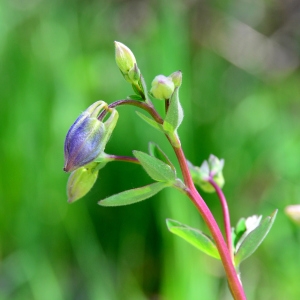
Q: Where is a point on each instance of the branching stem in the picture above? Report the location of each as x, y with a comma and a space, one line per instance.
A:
233, 280
224, 250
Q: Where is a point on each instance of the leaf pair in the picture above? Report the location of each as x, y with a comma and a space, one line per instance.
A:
246, 243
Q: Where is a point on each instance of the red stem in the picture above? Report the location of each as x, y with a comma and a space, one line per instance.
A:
226, 216
123, 158
233, 280
146, 106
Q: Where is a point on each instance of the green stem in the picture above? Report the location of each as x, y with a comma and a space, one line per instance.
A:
233, 280
226, 216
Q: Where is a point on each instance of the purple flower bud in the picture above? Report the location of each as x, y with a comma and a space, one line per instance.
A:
87, 137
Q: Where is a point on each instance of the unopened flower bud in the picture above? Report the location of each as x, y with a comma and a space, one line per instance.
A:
134, 74
216, 165
162, 87
209, 170
87, 137
219, 179
81, 181
204, 171
124, 58
176, 78
293, 212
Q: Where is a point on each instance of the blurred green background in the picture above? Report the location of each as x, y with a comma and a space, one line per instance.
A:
241, 97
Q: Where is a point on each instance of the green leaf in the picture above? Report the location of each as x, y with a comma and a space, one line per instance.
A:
254, 238
150, 122
155, 151
134, 195
156, 169
136, 88
143, 85
135, 97
174, 115
195, 237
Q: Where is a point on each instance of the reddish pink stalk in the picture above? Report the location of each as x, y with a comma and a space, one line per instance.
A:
123, 158
233, 280
226, 216
232, 277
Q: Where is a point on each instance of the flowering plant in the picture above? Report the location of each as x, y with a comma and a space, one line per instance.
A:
84, 157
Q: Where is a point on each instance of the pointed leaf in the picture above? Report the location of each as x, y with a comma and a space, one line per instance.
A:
134, 195
156, 169
145, 90
251, 242
174, 115
150, 121
195, 237
155, 151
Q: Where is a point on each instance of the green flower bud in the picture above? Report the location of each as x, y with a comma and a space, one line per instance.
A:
216, 165
87, 137
219, 179
81, 181
134, 74
211, 169
162, 87
176, 78
206, 186
124, 58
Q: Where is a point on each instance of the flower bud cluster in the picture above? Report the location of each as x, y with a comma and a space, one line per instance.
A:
210, 169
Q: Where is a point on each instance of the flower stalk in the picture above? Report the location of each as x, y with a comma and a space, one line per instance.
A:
233, 280
226, 216
84, 157
143, 105
225, 250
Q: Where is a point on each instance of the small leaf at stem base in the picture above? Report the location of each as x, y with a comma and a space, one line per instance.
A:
195, 237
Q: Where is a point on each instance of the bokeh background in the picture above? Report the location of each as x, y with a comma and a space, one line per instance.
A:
241, 96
